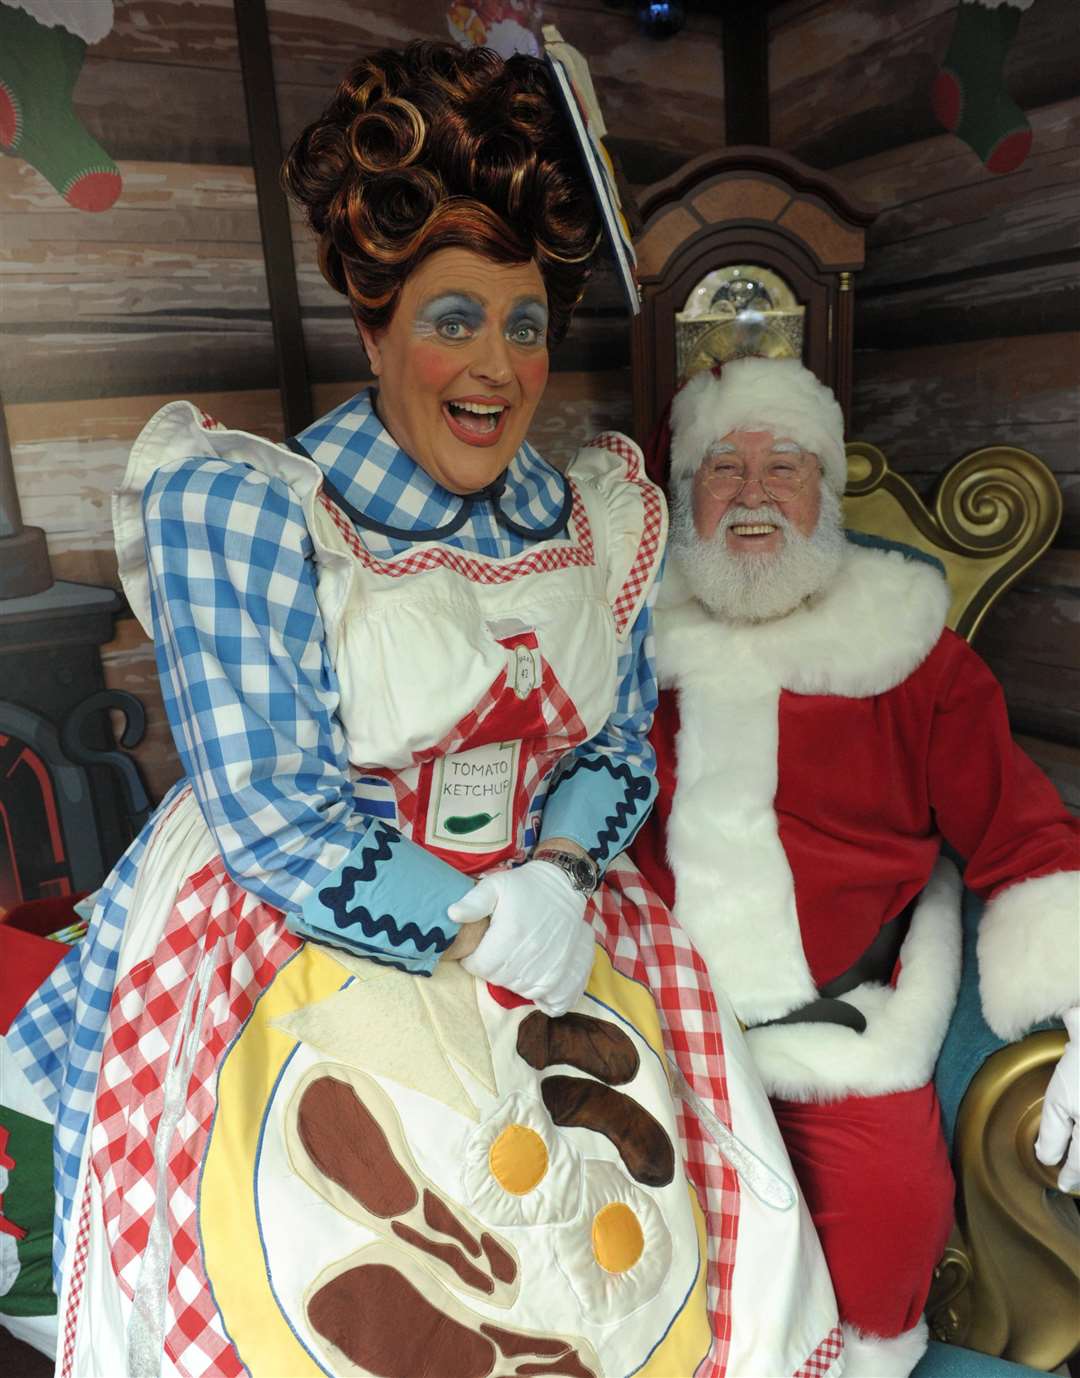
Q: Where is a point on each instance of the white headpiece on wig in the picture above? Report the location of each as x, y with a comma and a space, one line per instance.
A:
752, 394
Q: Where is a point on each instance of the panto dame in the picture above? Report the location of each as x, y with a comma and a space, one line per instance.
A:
377, 1058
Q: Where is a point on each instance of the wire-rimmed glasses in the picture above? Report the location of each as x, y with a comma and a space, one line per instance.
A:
784, 477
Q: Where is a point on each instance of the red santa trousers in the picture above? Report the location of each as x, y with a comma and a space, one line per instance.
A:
876, 1177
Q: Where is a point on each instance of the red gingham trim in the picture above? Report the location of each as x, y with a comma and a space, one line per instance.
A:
629, 596
546, 557
236, 944
646, 944
564, 727
78, 1277
465, 729
823, 1358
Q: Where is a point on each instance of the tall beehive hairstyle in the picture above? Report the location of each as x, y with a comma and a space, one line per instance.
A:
437, 147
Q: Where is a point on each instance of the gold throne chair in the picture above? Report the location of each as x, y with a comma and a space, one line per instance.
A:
1009, 1282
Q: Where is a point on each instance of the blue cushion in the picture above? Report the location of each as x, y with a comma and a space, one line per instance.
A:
970, 1040
910, 552
950, 1361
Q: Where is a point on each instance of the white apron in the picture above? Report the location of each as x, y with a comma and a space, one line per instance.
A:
304, 1163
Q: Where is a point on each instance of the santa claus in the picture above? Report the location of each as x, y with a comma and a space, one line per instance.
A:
822, 732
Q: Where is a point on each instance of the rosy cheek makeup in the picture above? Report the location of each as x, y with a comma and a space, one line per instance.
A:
533, 374
434, 367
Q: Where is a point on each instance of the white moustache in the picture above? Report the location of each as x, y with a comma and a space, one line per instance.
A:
751, 516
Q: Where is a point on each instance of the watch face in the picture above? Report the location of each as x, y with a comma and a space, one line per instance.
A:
584, 874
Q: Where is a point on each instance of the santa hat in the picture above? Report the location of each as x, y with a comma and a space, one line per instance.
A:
753, 394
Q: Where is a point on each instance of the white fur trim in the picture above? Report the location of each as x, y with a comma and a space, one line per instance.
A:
875, 623
905, 1025
777, 395
734, 893
869, 1356
1029, 953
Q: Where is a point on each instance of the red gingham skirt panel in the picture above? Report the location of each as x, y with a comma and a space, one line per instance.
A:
234, 945
645, 944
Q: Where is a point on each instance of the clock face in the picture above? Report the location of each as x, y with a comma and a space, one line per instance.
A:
734, 339
738, 289
734, 311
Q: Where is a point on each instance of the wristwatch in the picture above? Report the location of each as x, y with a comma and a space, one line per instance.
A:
582, 872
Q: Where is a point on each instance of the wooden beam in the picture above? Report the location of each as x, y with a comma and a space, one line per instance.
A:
925, 407
260, 95
1029, 296
746, 73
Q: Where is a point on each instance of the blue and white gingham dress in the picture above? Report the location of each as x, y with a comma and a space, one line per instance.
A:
251, 692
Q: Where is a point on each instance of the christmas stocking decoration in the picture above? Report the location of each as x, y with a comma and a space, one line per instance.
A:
42, 46
969, 96
26, 1216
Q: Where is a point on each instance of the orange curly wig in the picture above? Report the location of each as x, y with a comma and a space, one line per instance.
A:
436, 147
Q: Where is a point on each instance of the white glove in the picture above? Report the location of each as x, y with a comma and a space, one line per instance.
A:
538, 943
1059, 1128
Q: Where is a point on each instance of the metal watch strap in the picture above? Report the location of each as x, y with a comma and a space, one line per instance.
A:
582, 871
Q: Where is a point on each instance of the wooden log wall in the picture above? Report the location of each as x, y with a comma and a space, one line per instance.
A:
968, 330
107, 316
967, 324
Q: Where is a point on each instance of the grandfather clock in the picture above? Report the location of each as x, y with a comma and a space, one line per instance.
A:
744, 251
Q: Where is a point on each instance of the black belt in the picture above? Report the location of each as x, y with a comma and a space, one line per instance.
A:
875, 964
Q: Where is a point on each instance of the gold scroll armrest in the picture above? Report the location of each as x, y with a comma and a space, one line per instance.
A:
1009, 1283
993, 514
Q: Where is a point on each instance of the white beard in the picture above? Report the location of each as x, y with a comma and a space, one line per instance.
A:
752, 586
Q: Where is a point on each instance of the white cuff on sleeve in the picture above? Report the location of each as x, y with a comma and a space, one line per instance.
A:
1029, 953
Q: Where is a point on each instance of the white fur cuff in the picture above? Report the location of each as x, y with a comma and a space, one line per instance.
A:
869, 1356
1029, 953
905, 1026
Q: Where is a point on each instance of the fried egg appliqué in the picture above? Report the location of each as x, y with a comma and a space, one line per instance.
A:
617, 1253
519, 1170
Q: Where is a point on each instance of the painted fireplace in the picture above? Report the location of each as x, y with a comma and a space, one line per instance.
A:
70, 801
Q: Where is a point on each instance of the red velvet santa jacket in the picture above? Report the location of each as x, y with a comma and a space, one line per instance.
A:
808, 770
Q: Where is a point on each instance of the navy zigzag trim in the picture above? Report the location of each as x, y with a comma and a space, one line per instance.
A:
636, 788
381, 849
337, 899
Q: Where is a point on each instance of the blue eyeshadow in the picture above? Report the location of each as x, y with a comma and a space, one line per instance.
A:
455, 304
535, 312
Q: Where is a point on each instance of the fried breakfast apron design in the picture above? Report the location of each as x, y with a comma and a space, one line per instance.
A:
304, 1163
